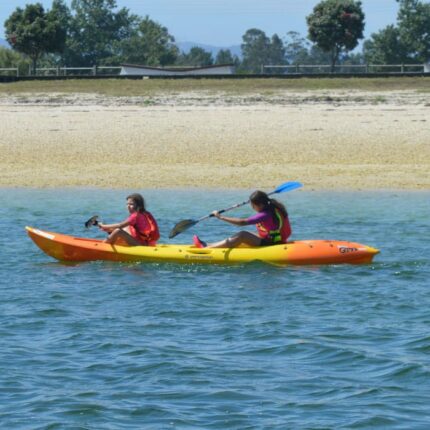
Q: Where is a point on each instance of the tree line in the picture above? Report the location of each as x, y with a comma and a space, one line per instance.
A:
95, 33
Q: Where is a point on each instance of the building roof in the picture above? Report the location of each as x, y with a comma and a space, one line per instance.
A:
176, 69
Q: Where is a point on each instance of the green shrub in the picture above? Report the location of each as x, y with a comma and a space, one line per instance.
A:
10, 58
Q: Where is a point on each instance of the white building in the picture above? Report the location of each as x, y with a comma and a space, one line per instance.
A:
137, 70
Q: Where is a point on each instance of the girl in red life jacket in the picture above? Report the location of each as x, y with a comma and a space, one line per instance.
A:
140, 228
271, 220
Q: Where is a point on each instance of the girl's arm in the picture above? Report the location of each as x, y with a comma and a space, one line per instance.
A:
111, 227
231, 220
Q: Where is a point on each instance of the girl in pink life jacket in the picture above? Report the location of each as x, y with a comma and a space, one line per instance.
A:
271, 220
139, 229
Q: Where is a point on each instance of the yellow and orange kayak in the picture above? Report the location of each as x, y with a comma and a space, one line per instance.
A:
304, 252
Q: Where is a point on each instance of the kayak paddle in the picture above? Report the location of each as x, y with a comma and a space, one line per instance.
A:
185, 224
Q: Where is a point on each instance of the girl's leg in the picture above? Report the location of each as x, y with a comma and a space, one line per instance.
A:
119, 234
242, 238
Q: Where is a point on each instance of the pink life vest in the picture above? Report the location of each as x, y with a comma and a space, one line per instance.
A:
281, 234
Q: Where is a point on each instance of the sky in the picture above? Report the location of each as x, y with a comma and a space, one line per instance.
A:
223, 22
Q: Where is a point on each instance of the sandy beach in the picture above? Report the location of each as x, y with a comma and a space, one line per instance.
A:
327, 140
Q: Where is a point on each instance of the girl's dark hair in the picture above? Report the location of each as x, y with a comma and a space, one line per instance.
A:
139, 201
261, 198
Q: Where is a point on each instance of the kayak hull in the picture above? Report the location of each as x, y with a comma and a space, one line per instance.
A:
308, 252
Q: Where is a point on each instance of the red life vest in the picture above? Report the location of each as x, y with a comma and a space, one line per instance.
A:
151, 234
281, 234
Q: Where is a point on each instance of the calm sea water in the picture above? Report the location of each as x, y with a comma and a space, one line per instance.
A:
163, 346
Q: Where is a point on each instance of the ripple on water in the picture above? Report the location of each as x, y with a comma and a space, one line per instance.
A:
105, 345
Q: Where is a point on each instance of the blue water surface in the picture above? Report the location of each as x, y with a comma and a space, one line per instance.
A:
163, 346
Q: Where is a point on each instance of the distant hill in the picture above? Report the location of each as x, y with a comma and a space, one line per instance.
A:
186, 46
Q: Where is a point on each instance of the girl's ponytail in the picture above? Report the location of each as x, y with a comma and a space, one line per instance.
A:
278, 205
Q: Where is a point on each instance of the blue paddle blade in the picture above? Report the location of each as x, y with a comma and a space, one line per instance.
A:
288, 186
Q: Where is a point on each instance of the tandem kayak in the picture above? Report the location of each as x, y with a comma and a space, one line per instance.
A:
304, 252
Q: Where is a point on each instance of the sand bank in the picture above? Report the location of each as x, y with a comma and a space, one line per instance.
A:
327, 141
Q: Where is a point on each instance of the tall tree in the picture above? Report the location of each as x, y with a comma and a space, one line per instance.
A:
150, 44
95, 30
255, 50
296, 48
414, 29
197, 57
336, 26
385, 47
277, 51
60, 9
34, 32
224, 56
300, 51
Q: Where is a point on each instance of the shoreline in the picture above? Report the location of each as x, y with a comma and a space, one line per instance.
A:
305, 189
328, 140
208, 98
